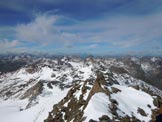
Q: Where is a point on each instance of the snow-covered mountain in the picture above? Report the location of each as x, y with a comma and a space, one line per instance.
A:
82, 90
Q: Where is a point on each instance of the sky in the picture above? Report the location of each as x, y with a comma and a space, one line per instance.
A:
99, 27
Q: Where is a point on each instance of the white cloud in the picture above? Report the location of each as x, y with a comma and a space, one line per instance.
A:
44, 31
6, 44
93, 46
40, 30
9, 46
119, 31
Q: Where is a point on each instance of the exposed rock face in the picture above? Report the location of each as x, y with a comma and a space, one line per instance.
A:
104, 118
70, 111
10, 66
141, 111
32, 93
118, 70
157, 114
31, 69
146, 69
98, 86
72, 108
115, 90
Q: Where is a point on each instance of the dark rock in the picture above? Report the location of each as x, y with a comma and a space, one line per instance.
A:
112, 81
115, 90
113, 101
53, 75
34, 91
49, 85
104, 118
91, 120
126, 119
159, 118
149, 106
142, 112
118, 70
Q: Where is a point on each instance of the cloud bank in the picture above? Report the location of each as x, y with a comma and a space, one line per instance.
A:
119, 31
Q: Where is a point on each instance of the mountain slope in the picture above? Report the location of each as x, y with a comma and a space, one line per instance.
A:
73, 89
113, 103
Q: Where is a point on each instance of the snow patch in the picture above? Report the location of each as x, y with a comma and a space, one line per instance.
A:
130, 100
97, 106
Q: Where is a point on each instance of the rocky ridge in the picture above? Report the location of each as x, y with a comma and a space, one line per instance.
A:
75, 87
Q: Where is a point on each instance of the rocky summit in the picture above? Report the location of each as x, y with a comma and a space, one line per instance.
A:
73, 89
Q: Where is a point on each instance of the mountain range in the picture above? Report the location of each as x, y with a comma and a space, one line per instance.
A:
73, 89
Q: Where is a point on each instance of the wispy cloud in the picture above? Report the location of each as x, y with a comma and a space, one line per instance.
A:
119, 31
39, 30
6, 45
43, 30
125, 32
122, 31
93, 46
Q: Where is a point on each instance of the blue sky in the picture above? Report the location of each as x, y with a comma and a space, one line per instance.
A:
102, 27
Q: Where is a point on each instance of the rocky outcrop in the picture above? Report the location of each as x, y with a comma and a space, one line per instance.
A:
71, 108
115, 90
104, 118
118, 70
157, 113
142, 112
98, 86
32, 93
